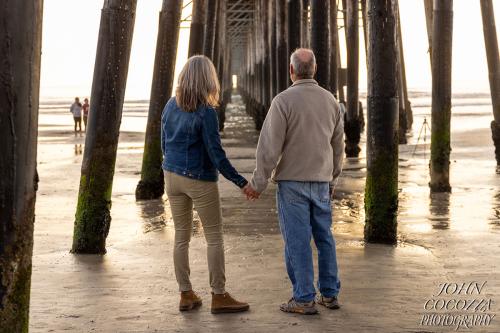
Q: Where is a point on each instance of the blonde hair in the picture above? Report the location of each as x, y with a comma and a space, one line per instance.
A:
197, 84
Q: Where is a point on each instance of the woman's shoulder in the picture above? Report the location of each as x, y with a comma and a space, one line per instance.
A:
205, 110
171, 102
168, 107
171, 105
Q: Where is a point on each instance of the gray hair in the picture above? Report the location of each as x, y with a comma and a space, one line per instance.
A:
304, 63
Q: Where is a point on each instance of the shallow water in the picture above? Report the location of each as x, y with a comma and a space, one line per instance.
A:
473, 179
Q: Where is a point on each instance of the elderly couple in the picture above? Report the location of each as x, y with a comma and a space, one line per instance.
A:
301, 146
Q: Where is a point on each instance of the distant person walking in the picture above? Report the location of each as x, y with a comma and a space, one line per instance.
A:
76, 110
192, 157
85, 109
301, 146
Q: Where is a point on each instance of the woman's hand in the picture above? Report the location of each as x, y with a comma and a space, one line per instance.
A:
250, 192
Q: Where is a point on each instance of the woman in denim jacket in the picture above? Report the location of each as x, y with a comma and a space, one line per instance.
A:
192, 157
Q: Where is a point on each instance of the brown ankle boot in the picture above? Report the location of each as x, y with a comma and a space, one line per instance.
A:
224, 303
189, 301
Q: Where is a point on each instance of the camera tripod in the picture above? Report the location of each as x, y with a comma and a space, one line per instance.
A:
424, 127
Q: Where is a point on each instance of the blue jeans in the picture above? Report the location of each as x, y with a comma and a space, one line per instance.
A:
305, 210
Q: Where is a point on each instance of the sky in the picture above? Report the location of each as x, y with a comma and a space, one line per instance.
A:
70, 30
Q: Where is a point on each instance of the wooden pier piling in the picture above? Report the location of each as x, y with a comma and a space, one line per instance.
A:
403, 124
272, 47
353, 124
197, 31
210, 28
93, 219
221, 60
491, 44
151, 185
381, 190
282, 60
305, 27
294, 27
20, 52
320, 45
333, 48
442, 33
402, 68
266, 61
428, 7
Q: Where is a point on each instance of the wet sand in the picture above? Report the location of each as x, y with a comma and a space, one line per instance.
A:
442, 238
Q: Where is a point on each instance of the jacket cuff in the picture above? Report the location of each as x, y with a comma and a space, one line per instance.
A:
241, 182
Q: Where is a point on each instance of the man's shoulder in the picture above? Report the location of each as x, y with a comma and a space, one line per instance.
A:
310, 91
297, 89
279, 101
288, 95
324, 92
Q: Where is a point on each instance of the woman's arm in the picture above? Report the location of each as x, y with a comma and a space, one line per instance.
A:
162, 130
211, 139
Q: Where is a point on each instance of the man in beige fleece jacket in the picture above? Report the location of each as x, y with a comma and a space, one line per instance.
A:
301, 147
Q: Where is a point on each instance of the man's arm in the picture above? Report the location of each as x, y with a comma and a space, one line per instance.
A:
270, 146
338, 146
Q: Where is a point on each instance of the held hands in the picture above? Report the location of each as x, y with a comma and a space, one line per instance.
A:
250, 192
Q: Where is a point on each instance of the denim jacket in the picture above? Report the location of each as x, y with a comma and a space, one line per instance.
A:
191, 144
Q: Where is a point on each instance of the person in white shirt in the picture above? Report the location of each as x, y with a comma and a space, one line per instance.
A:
76, 110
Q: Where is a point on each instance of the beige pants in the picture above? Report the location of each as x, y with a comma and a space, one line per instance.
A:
182, 193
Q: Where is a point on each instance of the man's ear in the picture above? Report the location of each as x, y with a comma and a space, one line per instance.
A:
315, 68
291, 69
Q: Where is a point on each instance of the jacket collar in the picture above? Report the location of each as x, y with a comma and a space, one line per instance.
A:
305, 81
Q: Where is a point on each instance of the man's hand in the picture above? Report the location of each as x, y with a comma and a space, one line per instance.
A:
332, 189
250, 192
